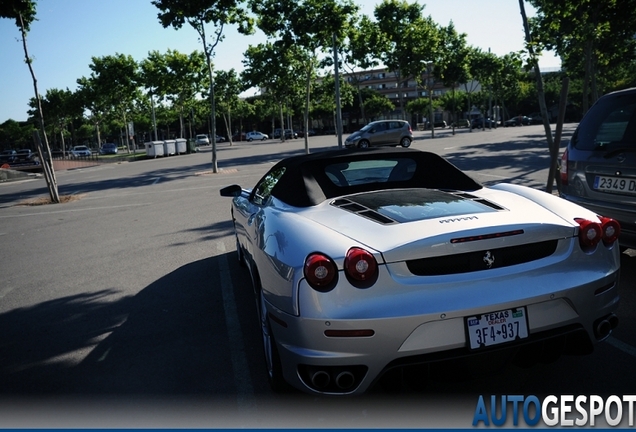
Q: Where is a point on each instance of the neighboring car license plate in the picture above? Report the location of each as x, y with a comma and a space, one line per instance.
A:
497, 327
615, 184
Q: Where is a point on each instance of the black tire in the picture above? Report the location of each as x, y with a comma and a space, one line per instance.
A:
363, 144
250, 140
272, 360
405, 142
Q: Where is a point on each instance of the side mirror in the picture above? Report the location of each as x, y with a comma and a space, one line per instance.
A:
231, 191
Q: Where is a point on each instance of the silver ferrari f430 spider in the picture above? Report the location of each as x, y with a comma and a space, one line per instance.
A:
366, 260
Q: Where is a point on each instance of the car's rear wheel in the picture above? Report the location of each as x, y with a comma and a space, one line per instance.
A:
272, 360
405, 142
250, 140
363, 144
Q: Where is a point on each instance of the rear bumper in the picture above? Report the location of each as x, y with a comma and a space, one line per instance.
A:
305, 351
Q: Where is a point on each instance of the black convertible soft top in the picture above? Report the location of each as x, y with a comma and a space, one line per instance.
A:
305, 181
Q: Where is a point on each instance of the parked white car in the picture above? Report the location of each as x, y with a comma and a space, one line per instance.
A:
202, 139
255, 135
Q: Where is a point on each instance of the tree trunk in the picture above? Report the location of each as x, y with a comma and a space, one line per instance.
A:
541, 95
43, 150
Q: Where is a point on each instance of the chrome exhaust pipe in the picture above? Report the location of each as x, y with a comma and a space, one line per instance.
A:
613, 320
603, 328
345, 380
320, 379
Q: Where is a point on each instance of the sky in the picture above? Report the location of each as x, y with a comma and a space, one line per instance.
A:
69, 33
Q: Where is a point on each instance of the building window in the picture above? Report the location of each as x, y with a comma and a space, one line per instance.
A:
381, 75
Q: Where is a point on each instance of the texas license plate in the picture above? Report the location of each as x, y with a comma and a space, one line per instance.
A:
615, 184
495, 328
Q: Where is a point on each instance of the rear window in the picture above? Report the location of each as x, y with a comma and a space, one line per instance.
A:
610, 123
371, 171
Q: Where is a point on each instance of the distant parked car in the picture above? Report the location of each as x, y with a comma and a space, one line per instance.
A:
80, 151
25, 155
255, 135
219, 138
8, 156
58, 152
436, 124
202, 139
461, 123
239, 137
518, 121
483, 123
598, 167
289, 134
382, 133
108, 148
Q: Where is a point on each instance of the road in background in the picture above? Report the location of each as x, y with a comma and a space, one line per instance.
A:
126, 307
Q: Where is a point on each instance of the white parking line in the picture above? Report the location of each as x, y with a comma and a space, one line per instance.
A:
244, 388
626, 348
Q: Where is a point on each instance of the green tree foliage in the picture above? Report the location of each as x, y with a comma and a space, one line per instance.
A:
198, 13
111, 88
409, 40
595, 40
361, 53
277, 70
228, 88
175, 77
307, 25
452, 66
61, 108
14, 135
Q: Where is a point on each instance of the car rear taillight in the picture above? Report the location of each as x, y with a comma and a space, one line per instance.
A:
563, 170
610, 229
361, 268
321, 272
590, 233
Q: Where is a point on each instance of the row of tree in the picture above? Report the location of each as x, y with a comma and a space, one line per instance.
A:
306, 39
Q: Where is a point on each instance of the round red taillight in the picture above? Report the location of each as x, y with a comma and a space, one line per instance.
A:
590, 233
320, 271
361, 267
611, 229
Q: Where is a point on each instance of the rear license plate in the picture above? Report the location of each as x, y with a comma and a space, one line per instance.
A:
615, 184
495, 328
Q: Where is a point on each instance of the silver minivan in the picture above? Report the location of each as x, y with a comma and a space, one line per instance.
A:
382, 133
598, 167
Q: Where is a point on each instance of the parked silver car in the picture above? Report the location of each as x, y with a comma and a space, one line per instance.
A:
202, 139
598, 167
382, 133
255, 135
81, 151
366, 260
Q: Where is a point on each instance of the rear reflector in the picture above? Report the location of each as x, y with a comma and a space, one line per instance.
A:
349, 333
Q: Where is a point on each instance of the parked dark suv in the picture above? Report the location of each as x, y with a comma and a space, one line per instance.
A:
382, 133
598, 167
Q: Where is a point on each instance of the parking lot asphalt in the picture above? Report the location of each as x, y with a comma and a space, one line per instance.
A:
125, 307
